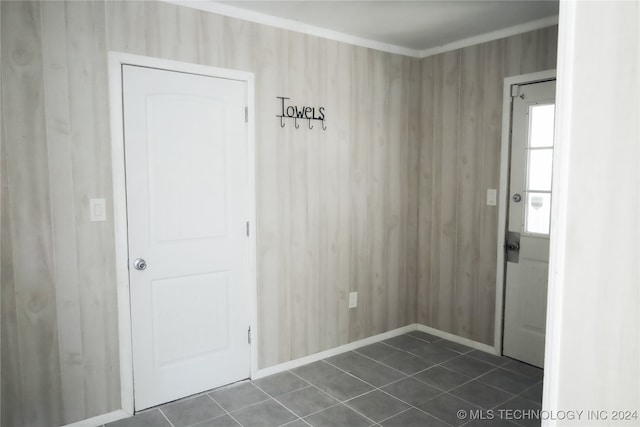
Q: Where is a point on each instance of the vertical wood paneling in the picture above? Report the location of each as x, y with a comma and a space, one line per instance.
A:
2, 186
434, 164
90, 158
411, 157
10, 357
284, 148
162, 25
447, 132
529, 51
188, 31
342, 107
34, 336
271, 195
549, 48
211, 42
395, 198
126, 29
493, 70
2, 180
239, 43
62, 209
378, 172
313, 224
426, 168
538, 50
298, 206
361, 133
468, 198
333, 305
513, 51
460, 152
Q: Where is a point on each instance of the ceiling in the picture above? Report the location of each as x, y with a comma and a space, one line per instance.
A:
417, 27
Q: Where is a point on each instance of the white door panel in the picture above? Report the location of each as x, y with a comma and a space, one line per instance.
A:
186, 176
529, 218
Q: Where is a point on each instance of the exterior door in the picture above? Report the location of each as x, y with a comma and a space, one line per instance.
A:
528, 222
187, 206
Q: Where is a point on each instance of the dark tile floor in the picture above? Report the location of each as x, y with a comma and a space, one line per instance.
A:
415, 379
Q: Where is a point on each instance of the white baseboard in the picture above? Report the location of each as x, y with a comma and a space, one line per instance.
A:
101, 419
332, 352
460, 340
120, 414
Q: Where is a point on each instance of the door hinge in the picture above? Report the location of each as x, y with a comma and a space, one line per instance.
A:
249, 335
247, 228
514, 90
246, 114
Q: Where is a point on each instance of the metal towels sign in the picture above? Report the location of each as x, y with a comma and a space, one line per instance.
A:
295, 112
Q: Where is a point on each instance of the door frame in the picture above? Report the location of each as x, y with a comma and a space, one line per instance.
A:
503, 196
115, 62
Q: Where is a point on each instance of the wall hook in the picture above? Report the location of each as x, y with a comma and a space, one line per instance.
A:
295, 112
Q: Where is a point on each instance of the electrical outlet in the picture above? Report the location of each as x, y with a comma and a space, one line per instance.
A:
97, 210
353, 299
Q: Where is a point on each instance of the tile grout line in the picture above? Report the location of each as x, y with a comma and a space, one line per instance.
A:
339, 402
493, 368
389, 394
224, 409
165, 417
395, 415
457, 354
280, 403
310, 384
411, 376
405, 376
527, 389
343, 402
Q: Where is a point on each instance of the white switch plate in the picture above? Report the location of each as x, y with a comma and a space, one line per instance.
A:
492, 197
97, 210
353, 299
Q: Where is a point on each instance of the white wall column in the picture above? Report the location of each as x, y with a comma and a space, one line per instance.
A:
593, 357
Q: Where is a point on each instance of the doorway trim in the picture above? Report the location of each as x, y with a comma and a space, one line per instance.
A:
115, 62
503, 196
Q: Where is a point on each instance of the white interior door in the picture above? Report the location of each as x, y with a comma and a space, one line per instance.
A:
187, 207
528, 222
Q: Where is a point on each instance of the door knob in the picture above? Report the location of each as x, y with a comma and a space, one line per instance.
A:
139, 264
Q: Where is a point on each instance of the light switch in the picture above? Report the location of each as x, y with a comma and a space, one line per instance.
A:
97, 210
353, 299
492, 197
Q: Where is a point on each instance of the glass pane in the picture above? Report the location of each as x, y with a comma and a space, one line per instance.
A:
540, 162
538, 213
541, 125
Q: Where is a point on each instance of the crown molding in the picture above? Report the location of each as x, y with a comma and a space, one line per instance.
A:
291, 25
493, 35
300, 27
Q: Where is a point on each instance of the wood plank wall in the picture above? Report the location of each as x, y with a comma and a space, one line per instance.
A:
461, 123
337, 210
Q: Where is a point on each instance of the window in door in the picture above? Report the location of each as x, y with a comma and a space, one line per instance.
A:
539, 168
